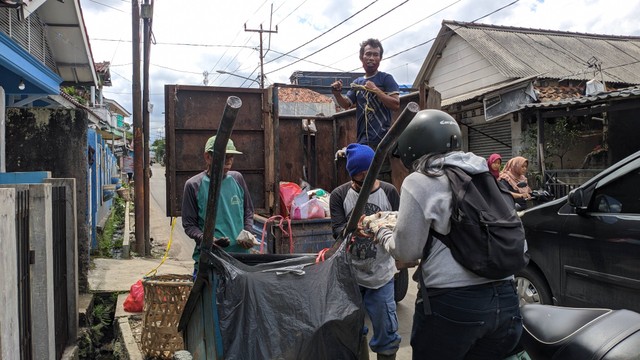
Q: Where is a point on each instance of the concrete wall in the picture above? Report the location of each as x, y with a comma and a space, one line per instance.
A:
54, 140
42, 300
9, 325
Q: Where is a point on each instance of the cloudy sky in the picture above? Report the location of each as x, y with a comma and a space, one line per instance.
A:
195, 39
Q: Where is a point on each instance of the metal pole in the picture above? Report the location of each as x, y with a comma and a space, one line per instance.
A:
138, 149
261, 55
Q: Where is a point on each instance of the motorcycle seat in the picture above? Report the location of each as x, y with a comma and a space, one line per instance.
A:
554, 332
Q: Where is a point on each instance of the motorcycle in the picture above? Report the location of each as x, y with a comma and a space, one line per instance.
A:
555, 332
538, 197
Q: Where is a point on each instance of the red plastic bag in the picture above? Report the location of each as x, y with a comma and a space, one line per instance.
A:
135, 301
288, 192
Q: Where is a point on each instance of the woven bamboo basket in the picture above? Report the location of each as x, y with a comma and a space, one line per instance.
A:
164, 299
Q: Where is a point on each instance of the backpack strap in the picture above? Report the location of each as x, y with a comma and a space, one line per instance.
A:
423, 288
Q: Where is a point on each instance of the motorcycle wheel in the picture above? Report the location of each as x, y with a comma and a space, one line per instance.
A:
400, 285
532, 288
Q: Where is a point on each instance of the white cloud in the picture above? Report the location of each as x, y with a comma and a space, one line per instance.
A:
204, 36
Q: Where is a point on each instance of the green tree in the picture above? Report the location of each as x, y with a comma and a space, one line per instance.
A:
158, 147
560, 136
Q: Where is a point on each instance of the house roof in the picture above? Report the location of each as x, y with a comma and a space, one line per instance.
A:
69, 42
520, 52
618, 94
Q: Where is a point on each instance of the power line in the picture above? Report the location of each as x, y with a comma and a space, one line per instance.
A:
342, 38
324, 33
181, 44
399, 31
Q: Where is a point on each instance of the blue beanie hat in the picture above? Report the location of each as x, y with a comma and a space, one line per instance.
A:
359, 158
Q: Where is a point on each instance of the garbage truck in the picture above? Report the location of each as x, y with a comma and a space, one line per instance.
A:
276, 148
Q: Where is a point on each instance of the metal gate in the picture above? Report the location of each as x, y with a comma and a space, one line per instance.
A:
492, 137
25, 258
59, 219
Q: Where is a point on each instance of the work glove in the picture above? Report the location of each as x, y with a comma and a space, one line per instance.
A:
247, 240
383, 219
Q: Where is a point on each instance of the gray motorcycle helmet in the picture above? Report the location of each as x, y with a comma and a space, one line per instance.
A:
429, 132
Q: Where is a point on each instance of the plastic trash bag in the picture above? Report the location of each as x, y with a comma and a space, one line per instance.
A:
288, 191
309, 209
287, 309
135, 300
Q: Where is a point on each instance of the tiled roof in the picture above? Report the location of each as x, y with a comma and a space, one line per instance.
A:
297, 94
556, 93
630, 92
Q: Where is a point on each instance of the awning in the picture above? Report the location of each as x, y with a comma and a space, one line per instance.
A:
110, 134
18, 65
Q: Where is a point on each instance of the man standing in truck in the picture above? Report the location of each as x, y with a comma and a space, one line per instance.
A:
374, 268
376, 95
234, 212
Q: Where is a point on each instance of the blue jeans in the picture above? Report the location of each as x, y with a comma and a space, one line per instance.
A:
475, 322
381, 307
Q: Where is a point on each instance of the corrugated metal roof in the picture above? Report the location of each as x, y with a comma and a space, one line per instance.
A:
521, 52
486, 90
616, 94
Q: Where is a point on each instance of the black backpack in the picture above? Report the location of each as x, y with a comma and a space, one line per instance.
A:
486, 236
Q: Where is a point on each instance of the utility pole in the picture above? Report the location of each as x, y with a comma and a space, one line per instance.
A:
138, 149
147, 15
261, 55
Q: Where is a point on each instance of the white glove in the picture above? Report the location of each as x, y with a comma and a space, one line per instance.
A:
247, 240
384, 237
342, 153
379, 220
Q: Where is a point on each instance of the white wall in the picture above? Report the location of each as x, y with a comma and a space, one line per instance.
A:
462, 69
9, 324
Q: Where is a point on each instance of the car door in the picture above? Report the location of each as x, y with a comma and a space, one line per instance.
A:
600, 252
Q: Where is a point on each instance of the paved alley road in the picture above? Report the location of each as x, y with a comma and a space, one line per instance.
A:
160, 230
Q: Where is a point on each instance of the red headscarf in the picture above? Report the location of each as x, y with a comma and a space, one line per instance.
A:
509, 173
493, 158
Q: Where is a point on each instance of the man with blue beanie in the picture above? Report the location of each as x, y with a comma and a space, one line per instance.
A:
374, 268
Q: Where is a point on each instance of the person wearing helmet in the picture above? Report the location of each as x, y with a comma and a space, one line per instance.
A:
375, 95
234, 213
471, 317
373, 267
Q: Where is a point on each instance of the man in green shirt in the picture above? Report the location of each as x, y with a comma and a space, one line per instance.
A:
234, 212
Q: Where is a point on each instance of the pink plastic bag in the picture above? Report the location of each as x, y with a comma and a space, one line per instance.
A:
135, 301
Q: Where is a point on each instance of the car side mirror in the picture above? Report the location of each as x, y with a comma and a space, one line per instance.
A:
577, 200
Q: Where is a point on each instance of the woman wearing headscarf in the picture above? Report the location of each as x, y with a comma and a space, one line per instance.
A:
513, 176
494, 163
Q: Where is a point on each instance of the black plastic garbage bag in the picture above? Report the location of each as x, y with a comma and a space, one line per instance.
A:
287, 309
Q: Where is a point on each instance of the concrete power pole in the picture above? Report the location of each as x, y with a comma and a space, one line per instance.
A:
138, 149
261, 54
147, 16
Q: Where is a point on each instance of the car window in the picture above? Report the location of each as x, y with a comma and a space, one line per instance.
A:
621, 195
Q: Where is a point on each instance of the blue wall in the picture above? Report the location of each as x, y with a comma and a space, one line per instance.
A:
100, 173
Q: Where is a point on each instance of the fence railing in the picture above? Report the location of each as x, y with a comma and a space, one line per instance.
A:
561, 182
25, 257
59, 220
